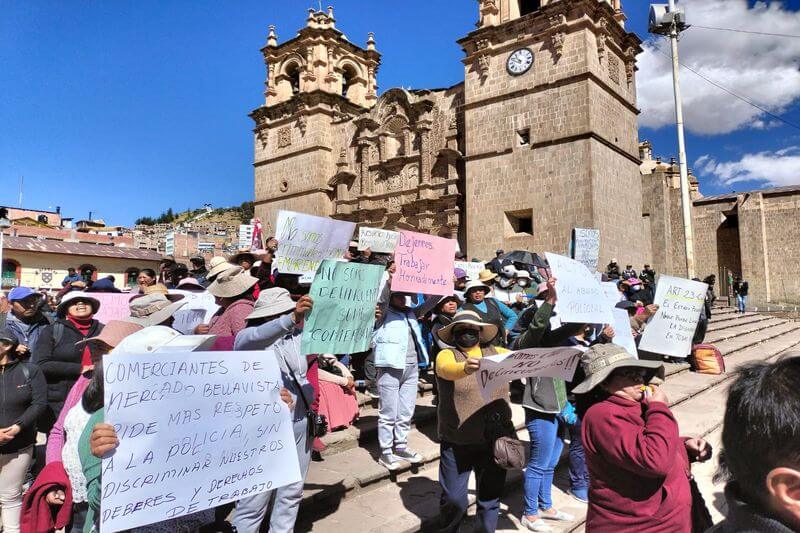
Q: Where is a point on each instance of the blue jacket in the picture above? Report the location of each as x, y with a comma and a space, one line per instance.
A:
390, 339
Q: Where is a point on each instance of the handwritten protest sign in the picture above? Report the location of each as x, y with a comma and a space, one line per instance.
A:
196, 430
671, 330
472, 268
377, 240
497, 370
580, 296
305, 240
623, 336
113, 305
610, 292
586, 247
343, 316
424, 264
199, 308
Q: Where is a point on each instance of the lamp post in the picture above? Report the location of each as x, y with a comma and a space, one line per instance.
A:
5, 223
666, 19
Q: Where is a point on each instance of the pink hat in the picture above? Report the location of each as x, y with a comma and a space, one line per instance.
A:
114, 332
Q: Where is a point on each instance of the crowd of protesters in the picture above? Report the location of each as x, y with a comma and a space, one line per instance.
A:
627, 460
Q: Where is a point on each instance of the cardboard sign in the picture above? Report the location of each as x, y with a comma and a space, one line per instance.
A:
196, 430
586, 247
670, 331
424, 264
199, 309
305, 240
623, 336
377, 240
580, 297
497, 370
472, 268
343, 317
113, 305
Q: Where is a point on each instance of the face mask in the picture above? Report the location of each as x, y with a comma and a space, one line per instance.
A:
522, 283
466, 338
506, 283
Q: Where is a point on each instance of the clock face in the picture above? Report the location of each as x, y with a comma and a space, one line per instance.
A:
519, 62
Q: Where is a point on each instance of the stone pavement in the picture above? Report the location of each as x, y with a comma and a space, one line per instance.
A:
348, 489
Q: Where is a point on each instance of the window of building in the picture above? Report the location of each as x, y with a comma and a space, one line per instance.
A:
8, 274
348, 75
42, 219
524, 137
293, 72
529, 6
130, 277
519, 223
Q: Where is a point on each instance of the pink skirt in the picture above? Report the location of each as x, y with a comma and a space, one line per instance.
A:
338, 406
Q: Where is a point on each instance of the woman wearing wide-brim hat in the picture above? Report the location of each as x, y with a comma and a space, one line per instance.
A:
233, 290
476, 294
639, 466
56, 353
464, 436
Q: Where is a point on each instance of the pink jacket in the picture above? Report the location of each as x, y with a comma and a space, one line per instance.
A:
232, 319
55, 440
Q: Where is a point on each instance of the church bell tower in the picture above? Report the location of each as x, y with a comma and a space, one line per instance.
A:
550, 125
317, 82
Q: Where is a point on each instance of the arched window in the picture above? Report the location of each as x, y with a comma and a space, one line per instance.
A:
293, 73
529, 6
42, 219
130, 277
348, 75
9, 276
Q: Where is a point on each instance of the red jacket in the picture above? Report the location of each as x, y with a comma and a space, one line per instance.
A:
37, 515
637, 468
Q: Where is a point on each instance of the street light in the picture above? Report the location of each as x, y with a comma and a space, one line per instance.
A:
666, 19
5, 223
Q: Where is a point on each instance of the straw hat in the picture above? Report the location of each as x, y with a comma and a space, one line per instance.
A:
217, 266
470, 318
476, 285
601, 359
113, 332
232, 282
272, 302
158, 288
486, 275
152, 309
73, 297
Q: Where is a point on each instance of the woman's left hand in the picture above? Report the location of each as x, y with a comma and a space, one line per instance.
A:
698, 449
286, 396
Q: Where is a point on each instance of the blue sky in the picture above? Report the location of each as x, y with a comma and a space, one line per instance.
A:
128, 108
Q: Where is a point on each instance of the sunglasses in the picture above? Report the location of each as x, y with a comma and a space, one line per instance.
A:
632, 373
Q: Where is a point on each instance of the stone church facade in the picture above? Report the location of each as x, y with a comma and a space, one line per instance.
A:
539, 138
504, 159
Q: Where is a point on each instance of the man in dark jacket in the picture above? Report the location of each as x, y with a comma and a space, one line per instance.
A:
740, 290
761, 451
198, 270
612, 270
70, 277
26, 320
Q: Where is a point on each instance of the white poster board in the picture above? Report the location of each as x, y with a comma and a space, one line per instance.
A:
377, 240
305, 240
586, 243
670, 331
611, 292
497, 370
472, 268
580, 297
623, 335
196, 430
199, 309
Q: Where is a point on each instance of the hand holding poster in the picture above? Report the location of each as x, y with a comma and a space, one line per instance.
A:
382, 241
580, 297
424, 264
586, 247
343, 316
196, 430
671, 330
497, 370
305, 240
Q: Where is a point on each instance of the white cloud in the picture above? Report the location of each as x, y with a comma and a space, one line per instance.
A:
759, 67
777, 169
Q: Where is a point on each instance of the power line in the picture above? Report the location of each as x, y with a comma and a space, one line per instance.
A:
730, 92
747, 31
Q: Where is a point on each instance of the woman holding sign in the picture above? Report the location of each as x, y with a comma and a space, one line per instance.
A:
465, 446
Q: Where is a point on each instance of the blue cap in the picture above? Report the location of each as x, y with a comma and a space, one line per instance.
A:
19, 293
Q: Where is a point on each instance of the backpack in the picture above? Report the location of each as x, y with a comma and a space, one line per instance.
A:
707, 359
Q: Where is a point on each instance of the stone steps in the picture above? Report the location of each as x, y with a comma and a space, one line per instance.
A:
731, 317
351, 489
724, 322
740, 328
